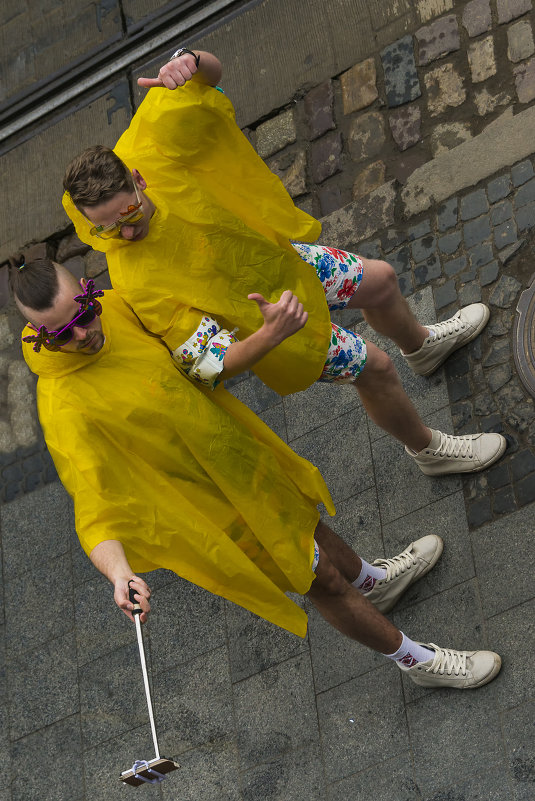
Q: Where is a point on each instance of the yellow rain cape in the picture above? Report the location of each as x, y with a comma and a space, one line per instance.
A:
185, 478
221, 230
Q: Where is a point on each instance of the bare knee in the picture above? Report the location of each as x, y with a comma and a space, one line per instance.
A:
329, 581
379, 368
322, 533
385, 285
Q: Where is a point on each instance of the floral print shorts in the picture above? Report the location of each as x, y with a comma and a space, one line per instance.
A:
340, 273
346, 356
316, 559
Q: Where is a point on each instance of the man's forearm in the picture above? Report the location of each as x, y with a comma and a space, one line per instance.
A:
242, 355
109, 558
209, 70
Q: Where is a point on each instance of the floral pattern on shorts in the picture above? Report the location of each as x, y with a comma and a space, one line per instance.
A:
346, 356
209, 365
195, 345
316, 559
201, 356
340, 272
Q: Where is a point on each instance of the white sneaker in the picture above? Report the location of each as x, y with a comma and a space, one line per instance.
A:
469, 453
460, 329
460, 670
403, 570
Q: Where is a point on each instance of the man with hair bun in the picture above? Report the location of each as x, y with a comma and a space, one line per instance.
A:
166, 473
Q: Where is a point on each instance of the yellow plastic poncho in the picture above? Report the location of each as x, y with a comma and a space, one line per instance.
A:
186, 478
221, 230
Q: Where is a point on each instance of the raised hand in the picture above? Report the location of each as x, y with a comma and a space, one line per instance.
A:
283, 318
173, 74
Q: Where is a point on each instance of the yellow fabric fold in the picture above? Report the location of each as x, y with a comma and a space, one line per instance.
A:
187, 478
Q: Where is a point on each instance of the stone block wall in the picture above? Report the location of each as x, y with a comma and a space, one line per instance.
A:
416, 98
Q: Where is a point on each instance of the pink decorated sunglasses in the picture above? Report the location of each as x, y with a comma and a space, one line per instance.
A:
89, 309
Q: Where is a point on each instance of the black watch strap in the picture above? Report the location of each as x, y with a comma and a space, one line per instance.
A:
181, 51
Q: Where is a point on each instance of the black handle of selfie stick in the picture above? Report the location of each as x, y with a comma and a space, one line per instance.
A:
137, 606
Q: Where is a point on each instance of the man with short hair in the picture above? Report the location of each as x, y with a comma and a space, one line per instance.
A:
165, 473
195, 226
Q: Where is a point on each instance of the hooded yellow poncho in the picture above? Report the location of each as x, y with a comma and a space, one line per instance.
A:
221, 230
185, 478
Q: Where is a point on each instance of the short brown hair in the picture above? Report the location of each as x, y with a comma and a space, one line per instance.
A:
96, 175
35, 283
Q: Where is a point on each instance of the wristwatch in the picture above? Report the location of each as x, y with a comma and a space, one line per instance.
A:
181, 51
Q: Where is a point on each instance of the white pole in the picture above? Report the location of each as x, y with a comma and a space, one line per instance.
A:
146, 682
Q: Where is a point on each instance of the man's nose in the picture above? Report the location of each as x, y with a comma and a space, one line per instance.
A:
79, 332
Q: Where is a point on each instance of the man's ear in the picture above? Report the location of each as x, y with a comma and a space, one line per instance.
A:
139, 180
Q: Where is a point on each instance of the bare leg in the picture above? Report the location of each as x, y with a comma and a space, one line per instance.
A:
351, 613
345, 608
387, 403
340, 554
385, 308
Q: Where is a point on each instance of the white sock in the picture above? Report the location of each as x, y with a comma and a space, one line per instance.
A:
410, 653
368, 576
432, 332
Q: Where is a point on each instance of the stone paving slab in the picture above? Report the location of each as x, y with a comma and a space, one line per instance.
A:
347, 709
5, 749
494, 567
510, 632
302, 60
244, 712
56, 524
342, 455
294, 775
321, 404
196, 702
255, 645
442, 744
393, 781
210, 772
265, 730
472, 162
40, 696
391, 480
26, 625
520, 741
190, 623
37, 756
98, 631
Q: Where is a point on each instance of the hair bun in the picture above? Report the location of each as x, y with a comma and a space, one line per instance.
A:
17, 261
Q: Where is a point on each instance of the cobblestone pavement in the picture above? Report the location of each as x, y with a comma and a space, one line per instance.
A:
422, 154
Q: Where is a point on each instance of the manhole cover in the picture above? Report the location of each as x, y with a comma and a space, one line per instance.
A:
524, 337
